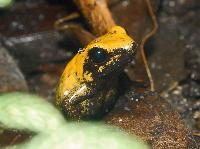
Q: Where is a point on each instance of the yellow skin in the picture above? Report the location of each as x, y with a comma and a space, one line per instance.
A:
88, 88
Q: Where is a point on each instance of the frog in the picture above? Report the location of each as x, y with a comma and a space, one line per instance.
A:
89, 86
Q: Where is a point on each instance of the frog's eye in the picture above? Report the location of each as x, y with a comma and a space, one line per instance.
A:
98, 55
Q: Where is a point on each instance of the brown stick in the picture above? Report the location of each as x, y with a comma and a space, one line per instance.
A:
97, 14
144, 39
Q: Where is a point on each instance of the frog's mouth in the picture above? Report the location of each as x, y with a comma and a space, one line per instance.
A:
118, 66
128, 56
125, 57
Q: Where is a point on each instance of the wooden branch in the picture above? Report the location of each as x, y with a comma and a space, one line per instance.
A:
97, 14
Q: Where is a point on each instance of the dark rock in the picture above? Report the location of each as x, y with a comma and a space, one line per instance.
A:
192, 63
27, 17
179, 7
191, 90
166, 56
45, 84
11, 78
152, 119
33, 50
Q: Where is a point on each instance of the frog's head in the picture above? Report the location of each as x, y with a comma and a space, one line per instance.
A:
88, 85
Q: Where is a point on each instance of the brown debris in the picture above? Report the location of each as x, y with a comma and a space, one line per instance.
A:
10, 137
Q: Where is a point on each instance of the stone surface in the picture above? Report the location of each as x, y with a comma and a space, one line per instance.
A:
11, 78
152, 119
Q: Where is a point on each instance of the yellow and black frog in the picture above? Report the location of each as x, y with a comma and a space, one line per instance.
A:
88, 86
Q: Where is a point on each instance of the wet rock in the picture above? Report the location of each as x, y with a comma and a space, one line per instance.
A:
28, 28
196, 116
184, 99
192, 63
11, 78
191, 90
166, 56
174, 48
152, 119
33, 50
27, 17
182, 17
44, 84
179, 7
181, 104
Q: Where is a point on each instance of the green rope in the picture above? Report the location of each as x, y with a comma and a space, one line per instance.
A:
28, 112
6, 3
24, 111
